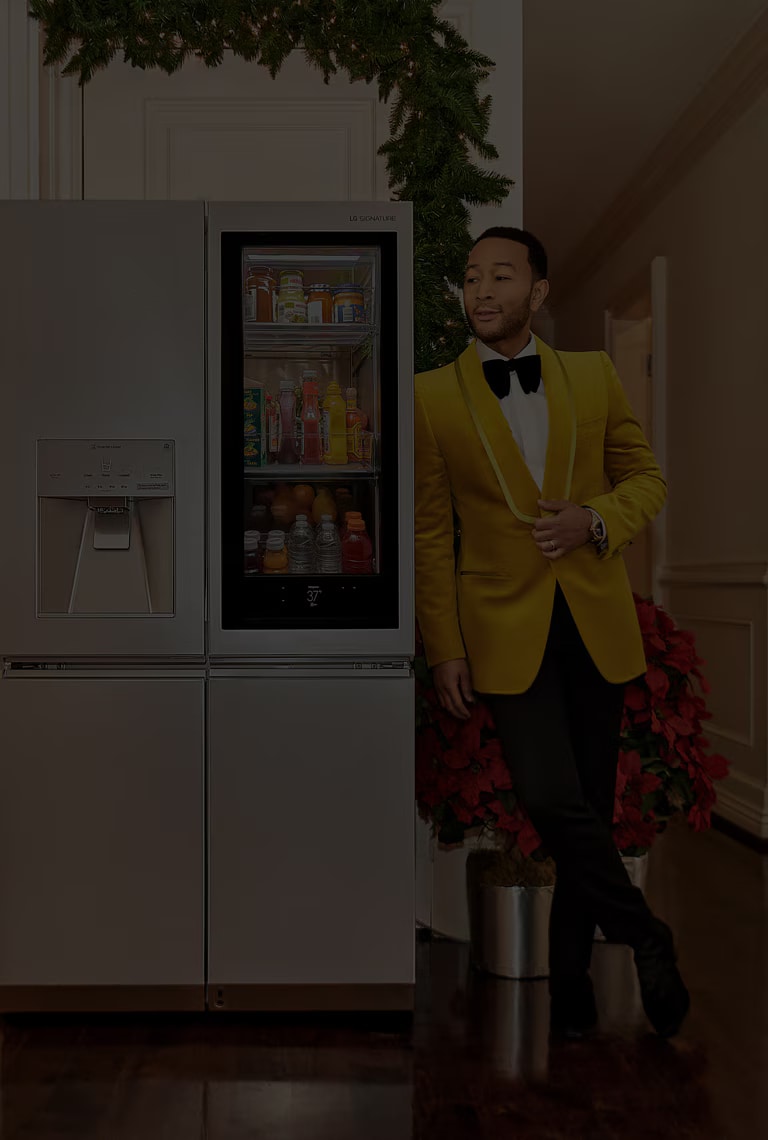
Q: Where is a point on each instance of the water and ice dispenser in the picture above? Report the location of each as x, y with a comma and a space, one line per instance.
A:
105, 527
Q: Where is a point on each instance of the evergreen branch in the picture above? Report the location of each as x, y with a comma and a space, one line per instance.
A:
437, 121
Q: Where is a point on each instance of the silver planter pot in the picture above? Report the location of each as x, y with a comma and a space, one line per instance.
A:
509, 930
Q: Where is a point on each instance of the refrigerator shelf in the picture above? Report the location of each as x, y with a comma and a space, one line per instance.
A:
260, 335
303, 471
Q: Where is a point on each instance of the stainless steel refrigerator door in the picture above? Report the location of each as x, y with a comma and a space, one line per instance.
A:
311, 838
102, 338
101, 837
297, 219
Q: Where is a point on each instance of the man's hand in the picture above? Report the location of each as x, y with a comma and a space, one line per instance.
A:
453, 685
563, 531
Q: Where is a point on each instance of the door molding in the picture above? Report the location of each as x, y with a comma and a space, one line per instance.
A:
652, 279
61, 135
19, 102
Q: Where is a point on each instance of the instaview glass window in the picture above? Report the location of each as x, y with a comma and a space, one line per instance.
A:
309, 435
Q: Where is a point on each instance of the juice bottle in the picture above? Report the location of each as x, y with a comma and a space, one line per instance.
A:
346, 519
289, 452
334, 414
276, 554
356, 549
252, 554
323, 505
357, 422
310, 415
303, 498
284, 508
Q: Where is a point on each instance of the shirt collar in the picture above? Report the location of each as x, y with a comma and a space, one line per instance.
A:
485, 352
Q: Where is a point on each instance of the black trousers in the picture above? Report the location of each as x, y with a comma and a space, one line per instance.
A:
560, 741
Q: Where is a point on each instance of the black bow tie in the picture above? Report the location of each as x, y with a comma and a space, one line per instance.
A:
497, 373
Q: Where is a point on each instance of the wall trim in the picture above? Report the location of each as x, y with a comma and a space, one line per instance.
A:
19, 102
716, 728
715, 574
61, 145
747, 817
735, 86
739, 834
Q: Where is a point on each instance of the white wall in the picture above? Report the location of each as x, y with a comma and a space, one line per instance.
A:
713, 230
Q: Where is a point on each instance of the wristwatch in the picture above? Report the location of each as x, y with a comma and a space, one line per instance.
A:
597, 533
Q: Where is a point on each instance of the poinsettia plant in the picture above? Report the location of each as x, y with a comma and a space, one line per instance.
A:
664, 770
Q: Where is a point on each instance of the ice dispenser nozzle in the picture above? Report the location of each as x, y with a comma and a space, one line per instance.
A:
106, 527
111, 524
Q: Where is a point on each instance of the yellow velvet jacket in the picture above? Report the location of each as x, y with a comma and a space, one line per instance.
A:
493, 605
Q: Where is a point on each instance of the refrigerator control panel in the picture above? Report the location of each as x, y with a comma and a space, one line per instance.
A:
72, 468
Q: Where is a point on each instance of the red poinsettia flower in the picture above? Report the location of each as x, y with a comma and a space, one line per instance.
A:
462, 779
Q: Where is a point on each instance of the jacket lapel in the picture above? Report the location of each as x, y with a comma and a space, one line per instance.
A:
561, 425
508, 456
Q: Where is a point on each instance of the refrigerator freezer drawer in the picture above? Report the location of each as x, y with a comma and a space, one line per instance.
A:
311, 874
101, 837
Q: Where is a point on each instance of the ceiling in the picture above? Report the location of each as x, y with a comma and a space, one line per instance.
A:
604, 80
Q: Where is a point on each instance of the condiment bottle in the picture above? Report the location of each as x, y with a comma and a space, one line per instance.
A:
334, 413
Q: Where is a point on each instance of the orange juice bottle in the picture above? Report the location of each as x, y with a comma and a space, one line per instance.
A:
276, 554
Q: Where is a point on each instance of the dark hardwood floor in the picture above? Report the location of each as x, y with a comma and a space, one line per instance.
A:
475, 1062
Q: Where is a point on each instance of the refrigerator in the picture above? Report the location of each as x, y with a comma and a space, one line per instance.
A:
206, 606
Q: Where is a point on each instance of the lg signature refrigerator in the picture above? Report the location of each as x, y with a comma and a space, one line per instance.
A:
206, 722
311, 849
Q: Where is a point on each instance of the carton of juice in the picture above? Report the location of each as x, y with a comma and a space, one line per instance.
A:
254, 422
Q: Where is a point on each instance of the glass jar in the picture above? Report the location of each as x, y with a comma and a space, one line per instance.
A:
349, 305
291, 302
260, 294
319, 305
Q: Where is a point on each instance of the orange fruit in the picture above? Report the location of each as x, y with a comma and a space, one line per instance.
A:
303, 496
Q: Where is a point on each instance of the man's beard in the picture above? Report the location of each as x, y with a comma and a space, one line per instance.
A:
511, 326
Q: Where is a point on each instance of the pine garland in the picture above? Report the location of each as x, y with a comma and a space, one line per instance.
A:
421, 63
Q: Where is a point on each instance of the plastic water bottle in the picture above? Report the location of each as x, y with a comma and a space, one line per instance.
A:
328, 548
301, 547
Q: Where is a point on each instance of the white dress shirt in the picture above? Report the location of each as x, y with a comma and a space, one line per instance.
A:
525, 412
528, 418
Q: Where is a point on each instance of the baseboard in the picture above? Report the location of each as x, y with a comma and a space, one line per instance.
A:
740, 834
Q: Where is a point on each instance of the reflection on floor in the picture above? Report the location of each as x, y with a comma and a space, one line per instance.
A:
476, 1062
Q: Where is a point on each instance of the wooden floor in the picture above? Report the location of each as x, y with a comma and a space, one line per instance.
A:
476, 1062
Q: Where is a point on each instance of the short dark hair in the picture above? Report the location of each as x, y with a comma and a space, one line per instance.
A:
537, 255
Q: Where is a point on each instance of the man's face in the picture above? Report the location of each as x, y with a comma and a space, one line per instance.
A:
499, 291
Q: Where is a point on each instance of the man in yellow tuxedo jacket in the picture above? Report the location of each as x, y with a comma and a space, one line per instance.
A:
539, 456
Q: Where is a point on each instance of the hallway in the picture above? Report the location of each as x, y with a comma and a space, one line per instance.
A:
475, 1063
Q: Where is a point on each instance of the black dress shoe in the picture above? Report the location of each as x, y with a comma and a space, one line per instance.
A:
665, 999
572, 1009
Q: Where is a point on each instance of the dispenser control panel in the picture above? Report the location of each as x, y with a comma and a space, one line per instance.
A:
73, 468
